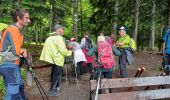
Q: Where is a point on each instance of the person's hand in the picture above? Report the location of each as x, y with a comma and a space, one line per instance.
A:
24, 52
116, 44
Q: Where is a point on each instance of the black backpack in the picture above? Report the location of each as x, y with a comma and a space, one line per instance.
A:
88, 44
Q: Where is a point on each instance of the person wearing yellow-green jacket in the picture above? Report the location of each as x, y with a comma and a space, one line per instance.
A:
123, 44
53, 52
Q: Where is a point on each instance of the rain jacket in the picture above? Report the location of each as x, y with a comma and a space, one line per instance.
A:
55, 50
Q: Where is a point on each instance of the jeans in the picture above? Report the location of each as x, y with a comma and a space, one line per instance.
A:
13, 81
122, 65
56, 73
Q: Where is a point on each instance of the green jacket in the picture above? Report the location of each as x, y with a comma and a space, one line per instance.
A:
55, 50
126, 39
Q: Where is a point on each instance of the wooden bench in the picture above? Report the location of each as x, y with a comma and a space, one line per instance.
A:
140, 82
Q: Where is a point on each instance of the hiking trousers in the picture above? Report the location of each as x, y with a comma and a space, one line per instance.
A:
56, 73
122, 64
13, 81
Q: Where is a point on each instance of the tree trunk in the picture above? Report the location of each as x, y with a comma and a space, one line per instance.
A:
153, 25
75, 20
54, 15
116, 9
36, 33
81, 18
136, 19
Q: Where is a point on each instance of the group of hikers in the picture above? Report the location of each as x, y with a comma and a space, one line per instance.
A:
87, 57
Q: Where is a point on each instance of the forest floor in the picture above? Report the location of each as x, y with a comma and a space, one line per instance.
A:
72, 91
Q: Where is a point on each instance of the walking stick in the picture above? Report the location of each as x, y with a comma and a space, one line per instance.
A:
142, 69
66, 65
39, 86
76, 76
98, 84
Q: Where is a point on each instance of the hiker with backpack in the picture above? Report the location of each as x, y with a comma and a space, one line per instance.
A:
166, 47
10, 51
104, 54
53, 52
86, 44
79, 58
123, 43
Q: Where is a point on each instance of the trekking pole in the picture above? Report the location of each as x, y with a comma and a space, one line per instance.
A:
137, 73
66, 73
76, 76
39, 86
142, 69
98, 84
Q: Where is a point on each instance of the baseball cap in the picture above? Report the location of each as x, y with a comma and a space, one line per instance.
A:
122, 28
58, 26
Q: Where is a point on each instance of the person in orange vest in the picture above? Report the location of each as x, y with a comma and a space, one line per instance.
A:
11, 48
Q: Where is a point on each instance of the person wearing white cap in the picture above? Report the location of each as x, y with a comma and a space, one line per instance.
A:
123, 45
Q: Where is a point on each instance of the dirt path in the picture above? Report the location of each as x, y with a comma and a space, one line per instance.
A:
71, 91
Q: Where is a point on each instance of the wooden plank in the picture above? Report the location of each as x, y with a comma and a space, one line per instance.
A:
131, 82
137, 95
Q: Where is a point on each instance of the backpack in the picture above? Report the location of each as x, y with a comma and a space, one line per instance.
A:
132, 44
105, 55
3, 27
88, 44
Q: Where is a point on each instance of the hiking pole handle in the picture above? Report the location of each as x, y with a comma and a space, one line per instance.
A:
137, 73
142, 69
29, 68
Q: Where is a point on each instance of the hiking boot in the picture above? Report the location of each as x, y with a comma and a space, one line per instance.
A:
53, 93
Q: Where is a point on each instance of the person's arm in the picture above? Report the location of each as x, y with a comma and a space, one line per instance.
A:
62, 47
163, 49
82, 44
126, 40
120, 43
92, 51
164, 44
116, 52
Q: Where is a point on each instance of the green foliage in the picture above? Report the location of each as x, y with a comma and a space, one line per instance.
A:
2, 87
97, 15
